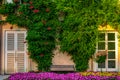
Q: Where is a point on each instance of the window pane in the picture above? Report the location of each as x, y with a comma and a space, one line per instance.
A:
101, 46
111, 45
102, 37
111, 64
111, 36
111, 55
101, 65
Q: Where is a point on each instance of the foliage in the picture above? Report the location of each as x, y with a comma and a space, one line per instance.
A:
68, 76
39, 18
77, 33
80, 26
100, 56
101, 59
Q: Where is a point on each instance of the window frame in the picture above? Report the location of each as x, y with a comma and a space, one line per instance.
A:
106, 47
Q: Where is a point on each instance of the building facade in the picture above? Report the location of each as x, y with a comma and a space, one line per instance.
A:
14, 56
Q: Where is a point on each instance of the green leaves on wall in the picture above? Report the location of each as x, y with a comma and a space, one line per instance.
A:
77, 32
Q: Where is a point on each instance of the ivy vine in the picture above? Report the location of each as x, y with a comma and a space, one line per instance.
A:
80, 27
39, 18
78, 30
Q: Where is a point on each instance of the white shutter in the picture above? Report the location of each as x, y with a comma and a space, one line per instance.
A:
15, 57
20, 52
20, 62
20, 42
10, 52
10, 41
10, 63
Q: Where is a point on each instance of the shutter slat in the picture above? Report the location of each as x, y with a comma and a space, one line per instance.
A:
20, 62
10, 41
10, 63
20, 40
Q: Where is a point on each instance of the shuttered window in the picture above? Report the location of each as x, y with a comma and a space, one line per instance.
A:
15, 51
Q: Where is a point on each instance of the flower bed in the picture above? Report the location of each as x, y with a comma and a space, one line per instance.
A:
68, 76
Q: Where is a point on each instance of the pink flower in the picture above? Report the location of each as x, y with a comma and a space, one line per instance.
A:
30, 2
36, 11
31, 7
49, 28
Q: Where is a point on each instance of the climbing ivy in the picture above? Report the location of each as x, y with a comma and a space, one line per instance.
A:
76, 33
80, 27
39, 18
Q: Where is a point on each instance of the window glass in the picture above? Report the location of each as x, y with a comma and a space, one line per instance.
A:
101, 65
111, 36
111, 55
111, 45
101, 45
111, 64
102, 37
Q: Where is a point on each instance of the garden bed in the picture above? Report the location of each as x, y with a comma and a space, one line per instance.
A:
67, 76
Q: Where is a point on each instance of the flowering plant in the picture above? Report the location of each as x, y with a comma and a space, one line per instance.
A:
68, 76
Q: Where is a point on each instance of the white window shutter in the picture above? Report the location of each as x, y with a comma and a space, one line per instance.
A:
10, 41
20, 62
15, 52
10, 63
20, 41
10, 53
20, 52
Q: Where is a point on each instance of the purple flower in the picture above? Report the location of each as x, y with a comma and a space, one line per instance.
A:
56, 76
